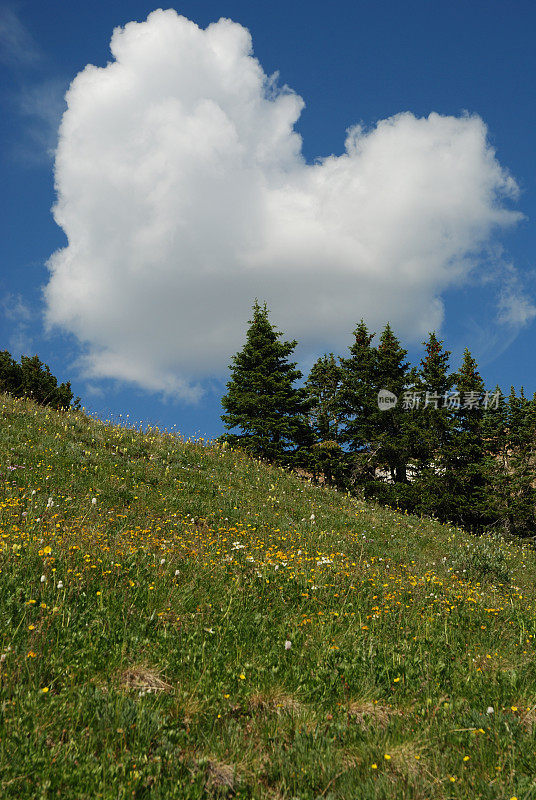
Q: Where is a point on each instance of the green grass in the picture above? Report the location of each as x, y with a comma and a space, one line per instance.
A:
143, 634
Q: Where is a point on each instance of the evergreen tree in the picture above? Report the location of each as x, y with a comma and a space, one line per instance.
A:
37, 380
465, 458
433, 425
378, 441
10, 375
358, 404
521, 463
40, 384
393, 440
262, 400
31, 378
323, 388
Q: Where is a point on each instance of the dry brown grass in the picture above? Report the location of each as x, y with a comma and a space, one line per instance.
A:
273, 701
407, 760
220, 776
190, 706
367, 712
527, 718
143, 679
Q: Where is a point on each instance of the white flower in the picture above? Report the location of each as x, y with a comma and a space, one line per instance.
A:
93, 501
177, 572
50, 502
288, 645
43, 578
60, 584
490, 710
312, 517
162, 560
33, 492
38, 519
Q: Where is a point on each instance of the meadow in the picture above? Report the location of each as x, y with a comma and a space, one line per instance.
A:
179, 620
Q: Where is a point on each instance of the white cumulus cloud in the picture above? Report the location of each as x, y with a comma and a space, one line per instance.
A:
183, 193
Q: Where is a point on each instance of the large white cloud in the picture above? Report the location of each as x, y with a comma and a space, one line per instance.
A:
184, 195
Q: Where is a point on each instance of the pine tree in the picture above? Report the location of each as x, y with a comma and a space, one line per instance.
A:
31, 378
358, 404
262, 400
393, 439
433, 425
377, 440
323, 385
40, 384
465, 456
497, 444
323, 388
521, 463
10, 375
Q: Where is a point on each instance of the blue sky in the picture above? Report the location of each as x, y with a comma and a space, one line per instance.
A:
352, 63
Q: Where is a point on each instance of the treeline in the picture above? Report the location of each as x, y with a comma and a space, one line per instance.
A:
33, 379
422, 438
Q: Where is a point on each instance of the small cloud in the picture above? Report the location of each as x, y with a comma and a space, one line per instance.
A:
515, 308
95, 391
17, 46
20, 342
20, 315
15, 308
42, 105
514, 311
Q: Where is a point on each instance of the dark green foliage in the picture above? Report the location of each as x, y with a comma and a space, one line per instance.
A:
323, 391
323, 387
10, 375
521, 473
434, 422
380, 443
393, 440
447, 447
358, 404
511, 431
262, 400
497, 441
33, 379
464, 456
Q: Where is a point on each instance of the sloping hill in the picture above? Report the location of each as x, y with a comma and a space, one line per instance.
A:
180, 621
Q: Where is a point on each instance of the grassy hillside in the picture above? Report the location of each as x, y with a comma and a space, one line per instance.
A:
179, 621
